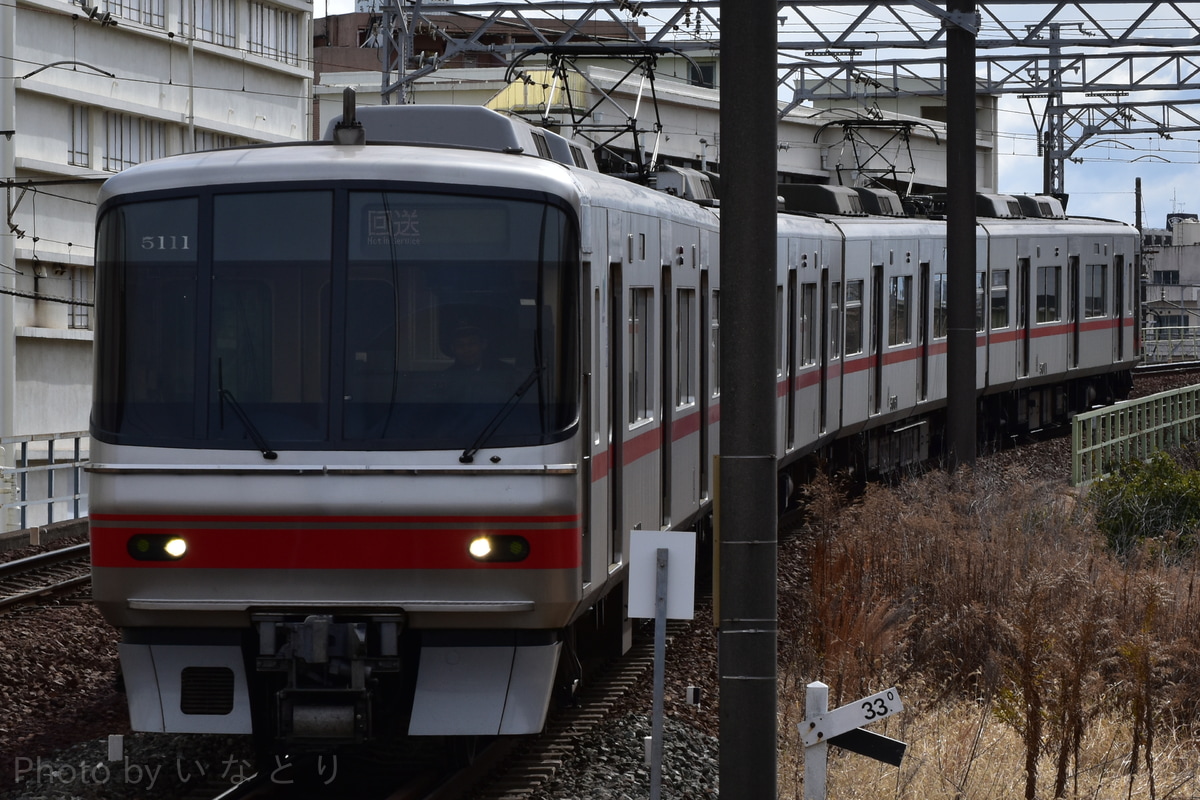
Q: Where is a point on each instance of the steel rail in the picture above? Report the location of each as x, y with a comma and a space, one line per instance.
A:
24, 567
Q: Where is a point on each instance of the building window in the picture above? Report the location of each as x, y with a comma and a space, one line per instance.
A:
702, 74
899, 310
641, 355
79, 314
130, 140
147, 12
81, 121
274, 33
1175, 325
999, 299
854, 317
1165, 277
1095, 297
212, 21
1048, 291
207, 140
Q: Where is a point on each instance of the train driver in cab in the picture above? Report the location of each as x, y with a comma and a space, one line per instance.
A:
477, 375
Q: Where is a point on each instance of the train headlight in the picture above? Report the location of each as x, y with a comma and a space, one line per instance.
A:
481, 548
499, 548
157, 547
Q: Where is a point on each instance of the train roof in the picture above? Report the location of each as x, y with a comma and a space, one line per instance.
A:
473, 127
327, 162
324, 162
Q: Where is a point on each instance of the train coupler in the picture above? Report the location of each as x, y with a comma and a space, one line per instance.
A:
327, 666
324, 715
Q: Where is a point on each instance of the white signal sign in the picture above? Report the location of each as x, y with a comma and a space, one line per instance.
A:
823, 727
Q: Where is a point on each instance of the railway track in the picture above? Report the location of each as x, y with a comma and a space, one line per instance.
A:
504, 768
528, 762
44, 575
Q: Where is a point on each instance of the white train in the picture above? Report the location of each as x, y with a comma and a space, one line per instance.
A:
373, 422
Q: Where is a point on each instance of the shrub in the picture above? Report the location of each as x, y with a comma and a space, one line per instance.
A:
1154, 501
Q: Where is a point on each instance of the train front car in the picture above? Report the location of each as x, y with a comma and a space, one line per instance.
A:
335, 485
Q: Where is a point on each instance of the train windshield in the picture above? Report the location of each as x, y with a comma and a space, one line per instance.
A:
344, 318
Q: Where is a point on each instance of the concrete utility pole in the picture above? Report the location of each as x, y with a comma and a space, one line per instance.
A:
8, 240
747, 518
960, 232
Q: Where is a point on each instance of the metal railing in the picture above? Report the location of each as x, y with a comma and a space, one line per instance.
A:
1105, 438
1162, 345
42, 479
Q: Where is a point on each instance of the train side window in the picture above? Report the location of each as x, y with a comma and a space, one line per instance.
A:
835, 320
941, 313
597, 346
1049, 289
780, 332
1095, 298
808, 323
979, 302
641, 354
685, 347
899, 310
714, 339
854, 317
999, 299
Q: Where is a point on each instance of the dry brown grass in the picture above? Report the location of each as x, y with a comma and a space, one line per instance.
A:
1033, 662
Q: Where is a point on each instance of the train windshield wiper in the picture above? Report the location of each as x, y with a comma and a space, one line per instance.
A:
496, 421
255, 435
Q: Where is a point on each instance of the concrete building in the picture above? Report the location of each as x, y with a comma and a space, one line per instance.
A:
1171, 290
86, 91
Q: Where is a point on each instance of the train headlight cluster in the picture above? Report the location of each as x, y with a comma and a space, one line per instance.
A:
499, 548
157, 547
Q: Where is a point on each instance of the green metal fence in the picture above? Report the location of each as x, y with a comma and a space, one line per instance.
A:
1168, 344
1135, 429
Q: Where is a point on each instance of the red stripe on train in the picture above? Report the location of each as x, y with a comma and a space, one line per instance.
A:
410, 548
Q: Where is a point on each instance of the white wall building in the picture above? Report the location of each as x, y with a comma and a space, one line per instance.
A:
86, 91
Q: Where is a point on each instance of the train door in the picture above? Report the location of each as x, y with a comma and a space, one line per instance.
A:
878, 302
923, 308
587, 423
616, 415
790, 363
666, 405
824, 344
705, 391
1024, 324
1119, 308
1073, 311
596, 474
